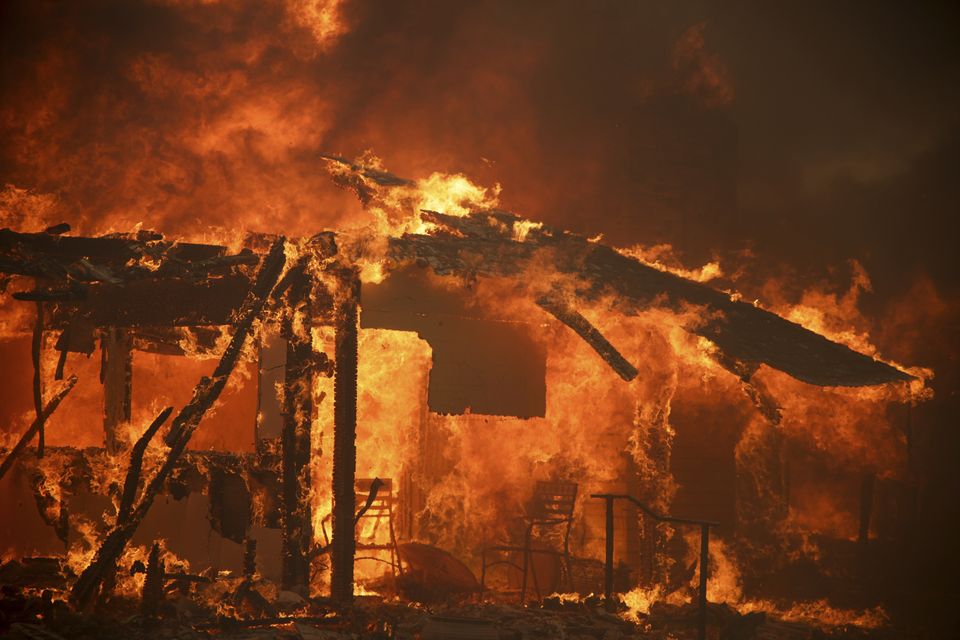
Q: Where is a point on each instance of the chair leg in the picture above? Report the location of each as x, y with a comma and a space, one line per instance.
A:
394, 554
536, 581
526, 564
483, 572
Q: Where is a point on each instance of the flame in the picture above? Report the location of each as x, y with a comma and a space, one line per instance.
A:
481, 468
662, 258
321, 17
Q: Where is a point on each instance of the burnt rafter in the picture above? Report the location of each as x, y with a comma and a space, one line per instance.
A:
591, 271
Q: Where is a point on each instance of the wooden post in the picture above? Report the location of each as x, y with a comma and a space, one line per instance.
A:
153, 584
343, 545
36, 351
866, 508
117, 376
295, 437
608, 567
634, 532
704, 574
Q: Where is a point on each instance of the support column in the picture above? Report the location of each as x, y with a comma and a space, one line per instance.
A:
866, 508
295, 437
344, 436
36, 351
117, 376
634, 531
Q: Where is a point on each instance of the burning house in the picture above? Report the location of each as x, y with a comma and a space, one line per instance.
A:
487, 292
426, 416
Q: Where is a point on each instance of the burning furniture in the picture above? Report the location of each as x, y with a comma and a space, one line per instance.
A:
551, 513
378, 509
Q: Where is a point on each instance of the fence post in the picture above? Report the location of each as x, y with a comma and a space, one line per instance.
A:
608, 569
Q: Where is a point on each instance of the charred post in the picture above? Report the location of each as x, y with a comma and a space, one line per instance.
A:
117, 375
153, 584
866, 508
345, 436
704, 576
295, 435
36, 351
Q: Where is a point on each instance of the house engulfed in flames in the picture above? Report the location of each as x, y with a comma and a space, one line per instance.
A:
461, 356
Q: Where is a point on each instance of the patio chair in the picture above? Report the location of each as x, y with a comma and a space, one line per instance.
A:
551, 511
379, 509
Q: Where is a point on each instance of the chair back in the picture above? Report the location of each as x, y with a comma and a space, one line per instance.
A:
382, 505
553, 500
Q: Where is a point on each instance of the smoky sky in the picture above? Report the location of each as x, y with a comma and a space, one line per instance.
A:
823, 131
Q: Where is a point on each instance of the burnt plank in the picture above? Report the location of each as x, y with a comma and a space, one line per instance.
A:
158, 302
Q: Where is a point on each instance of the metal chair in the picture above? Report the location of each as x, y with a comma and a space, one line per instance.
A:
378, 509
552, 506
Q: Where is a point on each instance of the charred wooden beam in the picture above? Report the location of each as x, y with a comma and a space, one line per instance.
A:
183, 427
296, 515
117, 379
158, 301
59, 246
135, 468
752, 387
343, 545
57, 229
68, 294
170, 340
36, 426
556, 306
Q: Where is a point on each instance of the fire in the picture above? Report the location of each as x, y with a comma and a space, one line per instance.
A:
662, 257
461, 475
321, 17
